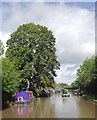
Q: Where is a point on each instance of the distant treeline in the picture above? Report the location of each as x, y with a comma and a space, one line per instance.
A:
61, 85
87, 76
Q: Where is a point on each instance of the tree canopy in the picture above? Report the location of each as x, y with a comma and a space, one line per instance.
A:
87, 75
32, 48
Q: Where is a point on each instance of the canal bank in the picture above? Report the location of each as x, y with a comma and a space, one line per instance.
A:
91, 97
87, 96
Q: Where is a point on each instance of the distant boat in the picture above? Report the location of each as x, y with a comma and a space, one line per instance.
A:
78, 92
59, 90
23, 97
65, 93
44, 93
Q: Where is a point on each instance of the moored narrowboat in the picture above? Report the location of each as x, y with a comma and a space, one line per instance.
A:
78, 92
23, 97
44, 93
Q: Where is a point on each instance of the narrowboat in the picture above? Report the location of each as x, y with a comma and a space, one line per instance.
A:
65, 93
44, 93
23, 96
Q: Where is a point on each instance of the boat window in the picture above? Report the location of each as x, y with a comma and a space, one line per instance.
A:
30, 95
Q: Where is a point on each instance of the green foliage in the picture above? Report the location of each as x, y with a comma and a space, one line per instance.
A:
1, 67
87, 75
1, 48
10, 81
75, 84
32, 48
10, 76
61, 85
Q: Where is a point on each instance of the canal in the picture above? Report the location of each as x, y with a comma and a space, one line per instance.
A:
53, 107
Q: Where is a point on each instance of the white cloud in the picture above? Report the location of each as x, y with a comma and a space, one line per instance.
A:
4, 38
67, 74
76, 36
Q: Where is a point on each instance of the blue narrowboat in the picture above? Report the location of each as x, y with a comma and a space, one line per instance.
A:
23, 97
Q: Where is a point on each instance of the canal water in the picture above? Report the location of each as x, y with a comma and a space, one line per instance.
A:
53, 107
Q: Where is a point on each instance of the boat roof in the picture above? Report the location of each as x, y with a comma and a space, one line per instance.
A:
24, 91
28, 91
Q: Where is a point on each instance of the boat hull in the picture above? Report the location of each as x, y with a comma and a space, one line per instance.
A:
78, 94
23, 102
65, 95
44, 93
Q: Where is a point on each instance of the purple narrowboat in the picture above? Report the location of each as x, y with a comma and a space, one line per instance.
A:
23, 97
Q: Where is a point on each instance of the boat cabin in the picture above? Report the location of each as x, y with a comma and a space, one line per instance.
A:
23, 96
44, 93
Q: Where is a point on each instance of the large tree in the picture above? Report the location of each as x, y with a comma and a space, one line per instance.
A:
32, 48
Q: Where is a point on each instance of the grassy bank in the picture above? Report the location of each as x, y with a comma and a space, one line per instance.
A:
91, 97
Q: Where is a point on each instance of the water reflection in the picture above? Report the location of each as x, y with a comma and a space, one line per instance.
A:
86, 108
22, 110
65, 99
96, 111
43, 108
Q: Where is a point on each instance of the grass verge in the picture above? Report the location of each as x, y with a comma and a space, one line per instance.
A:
91, 97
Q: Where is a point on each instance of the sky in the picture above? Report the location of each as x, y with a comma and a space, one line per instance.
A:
72, 23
